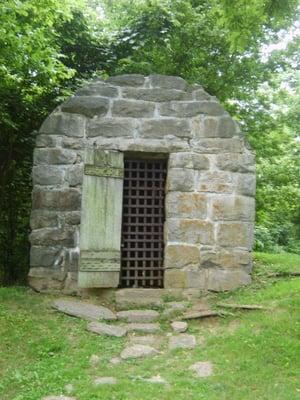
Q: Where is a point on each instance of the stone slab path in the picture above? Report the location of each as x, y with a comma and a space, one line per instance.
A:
156, 379
115, 360
58, 398
105, 380
202, 369
143, 341
175, 307
179, 326
138, 351
83, 310
149, 340
143, 328
94, 360
108, 330
69, 388
139, 316
182, 341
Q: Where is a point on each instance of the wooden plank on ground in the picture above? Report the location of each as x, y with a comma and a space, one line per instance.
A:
242, 306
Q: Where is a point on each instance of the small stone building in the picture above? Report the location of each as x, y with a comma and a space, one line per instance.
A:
141, 182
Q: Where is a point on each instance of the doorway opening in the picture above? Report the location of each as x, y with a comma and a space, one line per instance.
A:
142, 250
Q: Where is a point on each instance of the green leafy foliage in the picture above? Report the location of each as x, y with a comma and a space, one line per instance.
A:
274, 135
218, 44
45, 48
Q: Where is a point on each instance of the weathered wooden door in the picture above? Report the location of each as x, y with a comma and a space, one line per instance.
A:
101, 216
143, 223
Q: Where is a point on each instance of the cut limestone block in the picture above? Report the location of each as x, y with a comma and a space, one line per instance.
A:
105, 329
139, 316
138, 351
83, 310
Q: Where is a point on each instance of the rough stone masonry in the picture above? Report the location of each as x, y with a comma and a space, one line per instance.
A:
210, 179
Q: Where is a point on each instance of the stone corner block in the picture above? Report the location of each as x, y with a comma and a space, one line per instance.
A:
86, 105
60, 200
98, 89
235, 234
52, 237
223, 280
167, 82
127, 80
243, 163
46, 280
246, 184
50, 175
233, 208
215, 127
64, 124
54, 156
43, 219
226, 258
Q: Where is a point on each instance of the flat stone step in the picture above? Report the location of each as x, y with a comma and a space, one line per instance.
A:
94, 360
115, 360
148, 340
140, 316
84, 310
182, 341
202, 369
143, 328
138, 297
179, 326
107, 330
175, 307
105, 380
157, 379
58, 398
138, 351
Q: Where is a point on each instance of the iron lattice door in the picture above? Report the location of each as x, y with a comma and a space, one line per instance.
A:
143, 223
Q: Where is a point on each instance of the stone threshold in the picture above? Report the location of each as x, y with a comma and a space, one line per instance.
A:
130, 297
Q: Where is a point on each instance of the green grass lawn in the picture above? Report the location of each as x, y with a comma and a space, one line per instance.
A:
256, 354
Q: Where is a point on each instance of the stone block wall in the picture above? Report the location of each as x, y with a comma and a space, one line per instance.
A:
210, 182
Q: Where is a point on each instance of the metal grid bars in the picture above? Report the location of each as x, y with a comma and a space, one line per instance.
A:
143, 223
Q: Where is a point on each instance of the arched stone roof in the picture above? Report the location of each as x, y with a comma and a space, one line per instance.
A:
210, 185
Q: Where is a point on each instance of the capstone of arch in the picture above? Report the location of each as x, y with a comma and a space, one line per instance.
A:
141, 182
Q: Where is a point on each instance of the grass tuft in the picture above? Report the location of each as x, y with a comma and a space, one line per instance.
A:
255, 353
